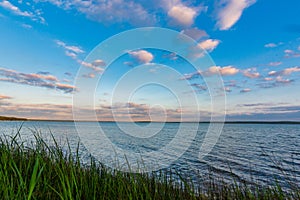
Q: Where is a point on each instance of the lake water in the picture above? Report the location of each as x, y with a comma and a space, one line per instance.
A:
252, 152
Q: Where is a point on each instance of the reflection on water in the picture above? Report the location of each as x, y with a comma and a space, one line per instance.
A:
247, 151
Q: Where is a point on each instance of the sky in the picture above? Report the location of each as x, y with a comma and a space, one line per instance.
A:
47, 47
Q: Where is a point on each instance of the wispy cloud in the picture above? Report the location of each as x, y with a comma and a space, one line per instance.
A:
245, 90
2, 97
291, 54
110, 11
142, 56
273, 45
39, 80
17, 11
71, 50
274, 64
284, 72
230, 11
195, 33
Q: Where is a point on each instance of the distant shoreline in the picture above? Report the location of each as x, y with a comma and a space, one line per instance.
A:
3, 118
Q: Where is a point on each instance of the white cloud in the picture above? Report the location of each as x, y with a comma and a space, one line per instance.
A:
230, 12
284, 72
251, 73
209, 44
142, 56
182, 14
74, 49
16, 10
288, 51
225, 71
195, 33
98, 63
109, 11
273, 64
270, 45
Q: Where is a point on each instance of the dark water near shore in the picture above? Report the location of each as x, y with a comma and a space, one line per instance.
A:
258, 153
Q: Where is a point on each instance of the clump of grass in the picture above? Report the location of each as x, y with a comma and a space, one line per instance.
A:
43, 172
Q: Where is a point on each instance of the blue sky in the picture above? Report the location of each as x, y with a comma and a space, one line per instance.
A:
255, 46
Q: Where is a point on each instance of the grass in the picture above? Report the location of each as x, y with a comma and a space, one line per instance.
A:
43, 172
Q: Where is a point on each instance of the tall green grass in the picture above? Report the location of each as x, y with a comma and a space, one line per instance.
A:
43, 172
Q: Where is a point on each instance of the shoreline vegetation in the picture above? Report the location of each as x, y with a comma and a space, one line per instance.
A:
4, 118
41, 171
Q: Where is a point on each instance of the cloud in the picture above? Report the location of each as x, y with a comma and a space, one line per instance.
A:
199, 87
69, 48
209, 44
251, 73
270, 45
273, 45
224, 71
95, 65
182, 15
274, 64
142, 56
195, 33
265, 112
110, 11
89, 75
39, 80
227, 89
230, 12
37, 111
214, 70
275, 82
98, 63
291, 54
284, 72
245, 90
3, 97
16, 11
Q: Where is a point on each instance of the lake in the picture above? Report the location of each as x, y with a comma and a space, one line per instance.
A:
259, 153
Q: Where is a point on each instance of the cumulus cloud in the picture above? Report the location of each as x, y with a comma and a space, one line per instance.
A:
182, 15
230, 11
225, 71
142, 56
214, 70
32, 79
209, 44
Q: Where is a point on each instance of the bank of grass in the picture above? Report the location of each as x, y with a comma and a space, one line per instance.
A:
42, 172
